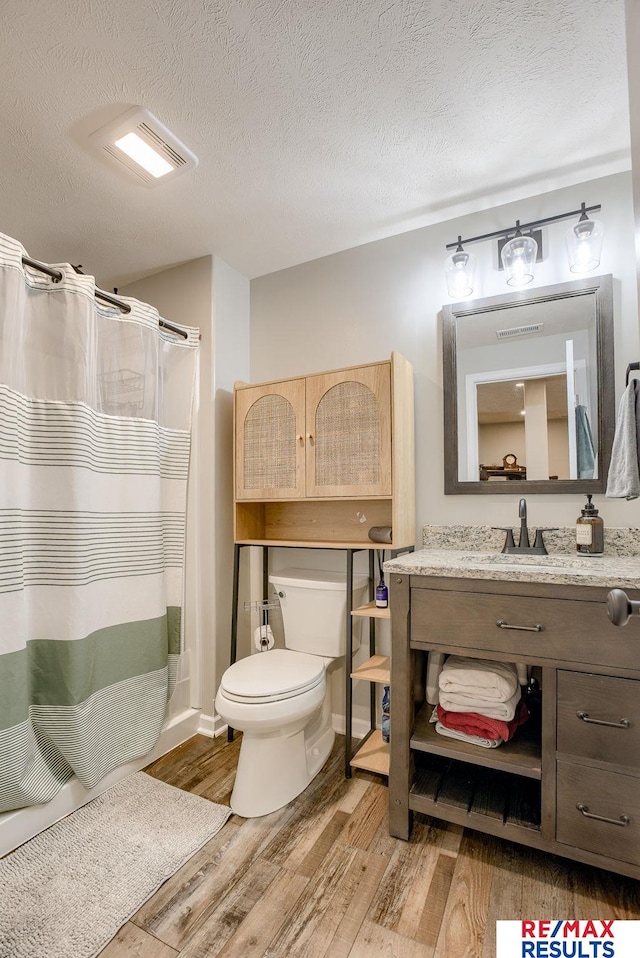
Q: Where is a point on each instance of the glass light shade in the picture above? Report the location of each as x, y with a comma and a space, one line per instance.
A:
460, 268
518, 259
584, 245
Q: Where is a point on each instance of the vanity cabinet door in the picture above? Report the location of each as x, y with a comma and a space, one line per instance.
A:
599, 718
348, 432
599, 811
270, 447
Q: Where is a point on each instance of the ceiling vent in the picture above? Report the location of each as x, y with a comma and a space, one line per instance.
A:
142, 147
519, 331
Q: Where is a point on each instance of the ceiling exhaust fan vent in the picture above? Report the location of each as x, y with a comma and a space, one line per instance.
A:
142, 146
519, 331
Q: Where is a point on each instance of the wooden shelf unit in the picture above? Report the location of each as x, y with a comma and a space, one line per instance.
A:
376, 669
319, 460
373, 755
522, 755
494, 802
371, 610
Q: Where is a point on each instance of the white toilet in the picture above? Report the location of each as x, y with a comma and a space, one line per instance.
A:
280, 699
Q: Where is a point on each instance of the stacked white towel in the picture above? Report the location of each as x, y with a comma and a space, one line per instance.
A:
478, 685
463, 737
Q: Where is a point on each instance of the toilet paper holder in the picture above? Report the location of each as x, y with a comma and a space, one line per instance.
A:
261, 605
262, 636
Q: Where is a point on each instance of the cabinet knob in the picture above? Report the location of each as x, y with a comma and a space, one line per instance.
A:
620, 607
300, 439
310, 437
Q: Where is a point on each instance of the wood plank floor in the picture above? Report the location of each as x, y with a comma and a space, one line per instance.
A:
322, 878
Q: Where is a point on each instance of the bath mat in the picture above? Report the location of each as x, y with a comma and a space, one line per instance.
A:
66, 892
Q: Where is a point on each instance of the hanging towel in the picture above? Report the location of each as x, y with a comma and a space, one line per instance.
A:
584, 444
478, 680
623, 481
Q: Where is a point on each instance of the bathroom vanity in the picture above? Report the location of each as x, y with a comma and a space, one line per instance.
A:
569, 781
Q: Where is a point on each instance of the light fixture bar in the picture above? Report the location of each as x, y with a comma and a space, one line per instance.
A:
524, 226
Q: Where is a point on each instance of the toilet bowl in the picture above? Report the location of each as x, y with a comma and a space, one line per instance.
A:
280, 699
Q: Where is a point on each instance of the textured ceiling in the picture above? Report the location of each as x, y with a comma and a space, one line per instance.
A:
319, 124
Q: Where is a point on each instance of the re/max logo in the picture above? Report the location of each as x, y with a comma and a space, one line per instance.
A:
591, 948
568, 938
567, 929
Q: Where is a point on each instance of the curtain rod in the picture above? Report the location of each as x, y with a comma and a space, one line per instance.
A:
56, 276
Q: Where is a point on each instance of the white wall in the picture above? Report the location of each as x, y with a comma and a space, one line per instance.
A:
231, 364
359, 305
632, 11
209, 294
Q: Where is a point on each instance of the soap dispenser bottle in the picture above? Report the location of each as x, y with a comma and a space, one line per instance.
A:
589, 531
382, 593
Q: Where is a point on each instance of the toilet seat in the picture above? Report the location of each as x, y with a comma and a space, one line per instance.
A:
272, 676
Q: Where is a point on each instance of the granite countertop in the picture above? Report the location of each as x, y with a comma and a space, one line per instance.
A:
481, 558
604, 571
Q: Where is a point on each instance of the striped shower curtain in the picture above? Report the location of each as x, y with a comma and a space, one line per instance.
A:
95, 408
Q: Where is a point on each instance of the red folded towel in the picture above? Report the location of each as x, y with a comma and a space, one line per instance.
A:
475, 724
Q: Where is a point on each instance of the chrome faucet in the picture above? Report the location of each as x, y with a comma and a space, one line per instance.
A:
523, 541
523, 548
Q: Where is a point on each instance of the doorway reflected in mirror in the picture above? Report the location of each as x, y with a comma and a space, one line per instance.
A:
531, 375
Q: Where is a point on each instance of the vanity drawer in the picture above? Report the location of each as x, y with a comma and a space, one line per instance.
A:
585, 701
606, 794
571, 630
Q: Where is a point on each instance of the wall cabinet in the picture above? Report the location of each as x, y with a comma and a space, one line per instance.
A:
567, 784
344, 437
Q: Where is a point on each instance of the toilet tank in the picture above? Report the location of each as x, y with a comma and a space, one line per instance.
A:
314, 609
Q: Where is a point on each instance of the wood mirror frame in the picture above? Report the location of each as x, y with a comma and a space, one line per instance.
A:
600, 287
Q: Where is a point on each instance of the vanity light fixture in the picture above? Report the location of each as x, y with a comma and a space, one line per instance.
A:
460, 267
520, 247
584, 243
143, 147
518, 257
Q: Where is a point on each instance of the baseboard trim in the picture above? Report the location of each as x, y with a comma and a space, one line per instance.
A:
207, 725
19, 826
212, 725
359, 728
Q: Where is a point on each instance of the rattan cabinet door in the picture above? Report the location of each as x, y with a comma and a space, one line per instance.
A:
348, 434
270, 444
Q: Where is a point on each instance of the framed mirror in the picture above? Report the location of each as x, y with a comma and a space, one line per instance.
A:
529, 401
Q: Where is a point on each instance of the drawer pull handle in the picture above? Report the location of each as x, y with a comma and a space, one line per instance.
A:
623, 821
623, 723
520, 628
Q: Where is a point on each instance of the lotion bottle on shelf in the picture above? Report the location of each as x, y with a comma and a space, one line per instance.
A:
382, 593
589, 531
